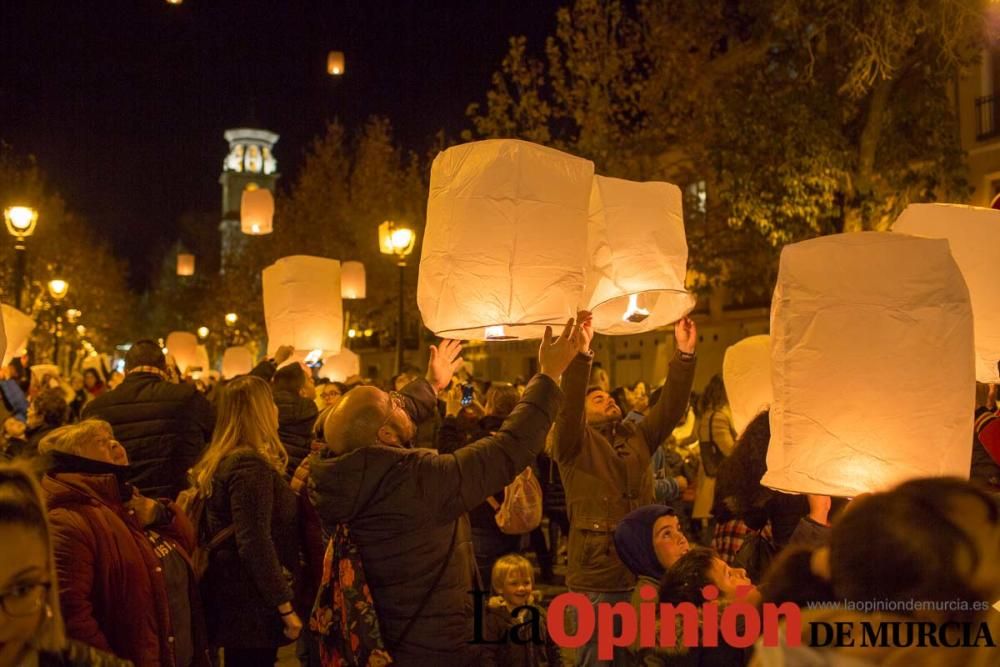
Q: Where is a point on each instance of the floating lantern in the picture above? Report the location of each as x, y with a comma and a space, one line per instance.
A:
638, 256
236, 361
335, 63
183, 347
302, 305
257, 211
185, 264
201, 358
505, 244
17, 329
746, 371
341, 366
872, 364
352, 280
974, 237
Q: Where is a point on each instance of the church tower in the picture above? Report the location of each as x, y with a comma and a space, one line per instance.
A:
249, 165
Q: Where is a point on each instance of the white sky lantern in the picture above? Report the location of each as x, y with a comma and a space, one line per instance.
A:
183, 347
352, 280
505, 244
872, 363
236, 361
974, 237
257, 212
17, 329
638, 256
746, 371
185, 264
335, 63
302, 305
341, 366
201, 358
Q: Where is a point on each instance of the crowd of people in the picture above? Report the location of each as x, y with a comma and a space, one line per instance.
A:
153, 520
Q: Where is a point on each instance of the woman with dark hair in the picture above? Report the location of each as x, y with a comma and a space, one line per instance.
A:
717, 436
47, 411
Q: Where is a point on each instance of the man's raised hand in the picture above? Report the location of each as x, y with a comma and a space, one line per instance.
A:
444, 361
554, 356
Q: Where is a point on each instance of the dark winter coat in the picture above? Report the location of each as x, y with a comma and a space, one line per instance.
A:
251, 573
402, 507
163, 426
76, 654
112, 589
296, 418
499, 626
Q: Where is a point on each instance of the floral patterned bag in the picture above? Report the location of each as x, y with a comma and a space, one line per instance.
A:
344, 617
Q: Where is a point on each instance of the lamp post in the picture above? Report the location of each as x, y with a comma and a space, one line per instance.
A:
21, 221
58, 289
398, 241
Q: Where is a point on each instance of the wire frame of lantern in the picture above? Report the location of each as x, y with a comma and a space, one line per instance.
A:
335, 63
257, 212
352, 280
185, 264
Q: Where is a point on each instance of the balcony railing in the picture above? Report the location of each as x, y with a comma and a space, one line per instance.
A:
986, 118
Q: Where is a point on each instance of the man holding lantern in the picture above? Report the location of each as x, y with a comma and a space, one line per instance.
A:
604, 463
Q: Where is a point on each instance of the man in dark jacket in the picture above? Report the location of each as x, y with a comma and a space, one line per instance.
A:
403, 506
295, 394
162, 426
604, 463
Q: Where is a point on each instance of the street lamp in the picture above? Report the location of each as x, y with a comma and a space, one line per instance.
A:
203, 332
398, 241
58, 288
21, 221
231, 318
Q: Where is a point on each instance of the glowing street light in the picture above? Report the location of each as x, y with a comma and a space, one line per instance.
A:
203, 332
21, 221
398, 241
58, 288
231, 318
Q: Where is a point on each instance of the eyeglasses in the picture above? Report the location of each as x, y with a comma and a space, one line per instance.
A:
24, 599
395, 403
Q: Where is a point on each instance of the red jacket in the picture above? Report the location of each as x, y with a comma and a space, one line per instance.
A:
111, 586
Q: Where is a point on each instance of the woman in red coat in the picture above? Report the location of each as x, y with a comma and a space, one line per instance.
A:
126, 582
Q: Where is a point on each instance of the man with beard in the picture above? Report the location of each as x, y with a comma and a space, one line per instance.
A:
605, 466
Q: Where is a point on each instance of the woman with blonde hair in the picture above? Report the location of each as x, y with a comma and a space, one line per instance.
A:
247, 587
31, 625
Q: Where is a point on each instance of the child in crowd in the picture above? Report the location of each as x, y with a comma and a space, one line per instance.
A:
516, 603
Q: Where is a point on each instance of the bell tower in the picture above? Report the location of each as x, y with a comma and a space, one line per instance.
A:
249, 165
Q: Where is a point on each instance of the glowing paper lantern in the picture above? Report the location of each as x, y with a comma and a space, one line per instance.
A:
872, 364
638, 256
352, 280
341, 366
185, 264
746, 371
183, 347
236, 361
974, 237
302, 305
17, 329
505, 245
201, 358
257, 212
335, 63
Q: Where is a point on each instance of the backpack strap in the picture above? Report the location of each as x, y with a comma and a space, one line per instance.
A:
493, 503
220, 537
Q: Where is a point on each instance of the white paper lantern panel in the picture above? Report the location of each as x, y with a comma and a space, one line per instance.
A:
201, 358
872, 365
352, 280
17, 329
302, 305
257, 212
341, 366
638, 256
746, 372
183, 347
974, 237
505, 244
236, 361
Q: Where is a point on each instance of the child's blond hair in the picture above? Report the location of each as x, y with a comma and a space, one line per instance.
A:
507, 565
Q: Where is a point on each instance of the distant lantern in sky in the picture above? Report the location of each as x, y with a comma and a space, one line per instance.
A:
352, 280
974, 237
335, 63
341, 366
638, 256
17, 328
183, 347
505, 246
872, 365
302, 305
257, 211
236, 361
746, 371
185, 264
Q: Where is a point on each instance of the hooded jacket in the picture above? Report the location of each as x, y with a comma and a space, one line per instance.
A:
403, 508
296, 418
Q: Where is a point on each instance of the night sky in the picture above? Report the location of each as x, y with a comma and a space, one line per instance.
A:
124, 102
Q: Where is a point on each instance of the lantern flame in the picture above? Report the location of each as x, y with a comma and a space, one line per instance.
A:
314, 356
255, 228
634, 313
495, 333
